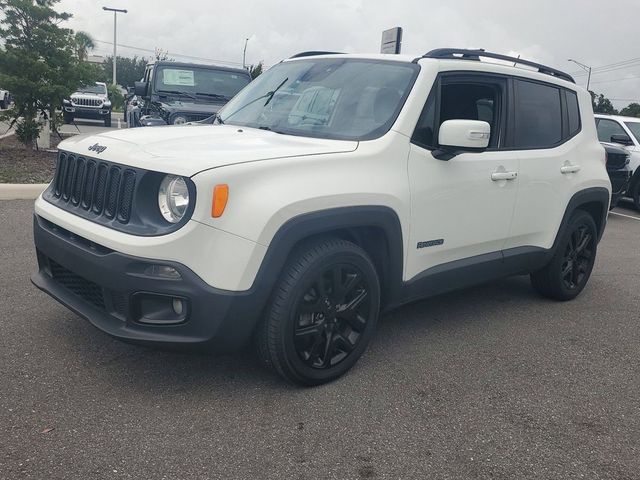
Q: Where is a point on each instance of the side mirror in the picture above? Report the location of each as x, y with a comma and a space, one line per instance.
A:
140, 89
621, 138
131, 90
462, 135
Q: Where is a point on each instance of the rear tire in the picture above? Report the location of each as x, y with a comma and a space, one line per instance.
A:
322, 313
568, 272
635, 195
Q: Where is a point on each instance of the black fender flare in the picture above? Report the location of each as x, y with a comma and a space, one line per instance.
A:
321, 222
588, 196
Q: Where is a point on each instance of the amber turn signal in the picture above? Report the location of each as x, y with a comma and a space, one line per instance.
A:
219, 202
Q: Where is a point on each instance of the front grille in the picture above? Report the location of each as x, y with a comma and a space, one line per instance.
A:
86, 289
86, 102
196, 117
95, 186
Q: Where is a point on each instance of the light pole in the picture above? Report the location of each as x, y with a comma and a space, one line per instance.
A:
244, 54
585, 68
115, 22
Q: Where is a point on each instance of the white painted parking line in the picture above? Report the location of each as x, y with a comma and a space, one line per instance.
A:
623, 215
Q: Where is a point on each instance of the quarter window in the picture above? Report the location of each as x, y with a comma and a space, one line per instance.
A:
573, 112
608, 128
538, 115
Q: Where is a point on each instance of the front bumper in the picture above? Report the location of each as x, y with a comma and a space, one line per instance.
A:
619, 183
87, 112
109, 289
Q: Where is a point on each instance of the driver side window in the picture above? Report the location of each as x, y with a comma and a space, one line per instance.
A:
460, 98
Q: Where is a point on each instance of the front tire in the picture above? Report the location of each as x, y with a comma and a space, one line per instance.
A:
67, 118
322, 313
107, 121
568, 272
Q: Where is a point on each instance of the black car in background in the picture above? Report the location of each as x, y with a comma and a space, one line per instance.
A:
618, 169
173, 93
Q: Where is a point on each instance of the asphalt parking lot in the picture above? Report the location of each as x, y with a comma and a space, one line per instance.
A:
491, 382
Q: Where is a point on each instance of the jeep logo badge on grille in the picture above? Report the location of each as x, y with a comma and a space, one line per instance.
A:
97, 148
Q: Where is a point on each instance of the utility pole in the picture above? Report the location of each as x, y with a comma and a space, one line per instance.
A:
115, 22
586, 68
244, 54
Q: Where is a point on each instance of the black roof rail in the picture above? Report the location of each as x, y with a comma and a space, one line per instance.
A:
465, 54
313, 53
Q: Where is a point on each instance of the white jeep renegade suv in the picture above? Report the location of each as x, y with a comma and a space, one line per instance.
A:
329, 189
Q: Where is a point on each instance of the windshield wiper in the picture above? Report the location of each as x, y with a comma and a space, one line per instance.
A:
213, 95
268, 94
177, 92
269, 129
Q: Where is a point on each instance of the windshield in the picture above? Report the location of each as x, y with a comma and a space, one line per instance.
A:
635, 129
347, 99
101, 89
199, 82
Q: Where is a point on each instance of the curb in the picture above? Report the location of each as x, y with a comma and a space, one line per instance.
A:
21, 191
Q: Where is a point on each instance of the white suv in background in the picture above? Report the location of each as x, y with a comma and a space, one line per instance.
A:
624, 131
331, 188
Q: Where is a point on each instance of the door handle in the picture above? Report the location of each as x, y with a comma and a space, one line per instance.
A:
569, 169
497, 176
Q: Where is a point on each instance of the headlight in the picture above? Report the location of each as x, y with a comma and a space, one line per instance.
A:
106, 104
173, 198
179, 120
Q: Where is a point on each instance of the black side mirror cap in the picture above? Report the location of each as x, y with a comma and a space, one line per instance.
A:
140, 89
622, 139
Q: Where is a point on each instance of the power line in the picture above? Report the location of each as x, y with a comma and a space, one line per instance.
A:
172, 53
617, 79
632, 62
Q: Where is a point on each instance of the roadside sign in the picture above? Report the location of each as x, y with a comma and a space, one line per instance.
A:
391, 40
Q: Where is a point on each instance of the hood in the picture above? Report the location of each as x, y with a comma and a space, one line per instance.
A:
187, 150
179, 106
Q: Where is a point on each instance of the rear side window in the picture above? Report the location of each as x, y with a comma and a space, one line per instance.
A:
573, 113
538, 115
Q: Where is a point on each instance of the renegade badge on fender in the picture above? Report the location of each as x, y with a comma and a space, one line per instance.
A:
331, 188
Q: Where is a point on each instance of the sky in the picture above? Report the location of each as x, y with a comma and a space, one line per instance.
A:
604, 35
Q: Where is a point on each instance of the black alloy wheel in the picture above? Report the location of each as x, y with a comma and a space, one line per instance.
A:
578, 257
322, 314
568, 271
331, 316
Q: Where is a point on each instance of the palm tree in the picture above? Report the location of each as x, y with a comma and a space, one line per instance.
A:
84, 43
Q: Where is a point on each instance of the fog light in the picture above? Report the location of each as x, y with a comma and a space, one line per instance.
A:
178, 306
162, 271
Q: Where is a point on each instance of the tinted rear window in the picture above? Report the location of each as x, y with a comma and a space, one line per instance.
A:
538, 116
573, 112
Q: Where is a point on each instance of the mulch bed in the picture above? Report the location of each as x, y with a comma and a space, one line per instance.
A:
19, 164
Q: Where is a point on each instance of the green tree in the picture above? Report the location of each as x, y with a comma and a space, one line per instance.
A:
39, 64
631, 110
162, 55
256, 70
602, 104
84, 44
130, 70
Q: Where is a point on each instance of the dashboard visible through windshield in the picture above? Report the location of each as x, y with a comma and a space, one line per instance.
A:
337, 98
200, 83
